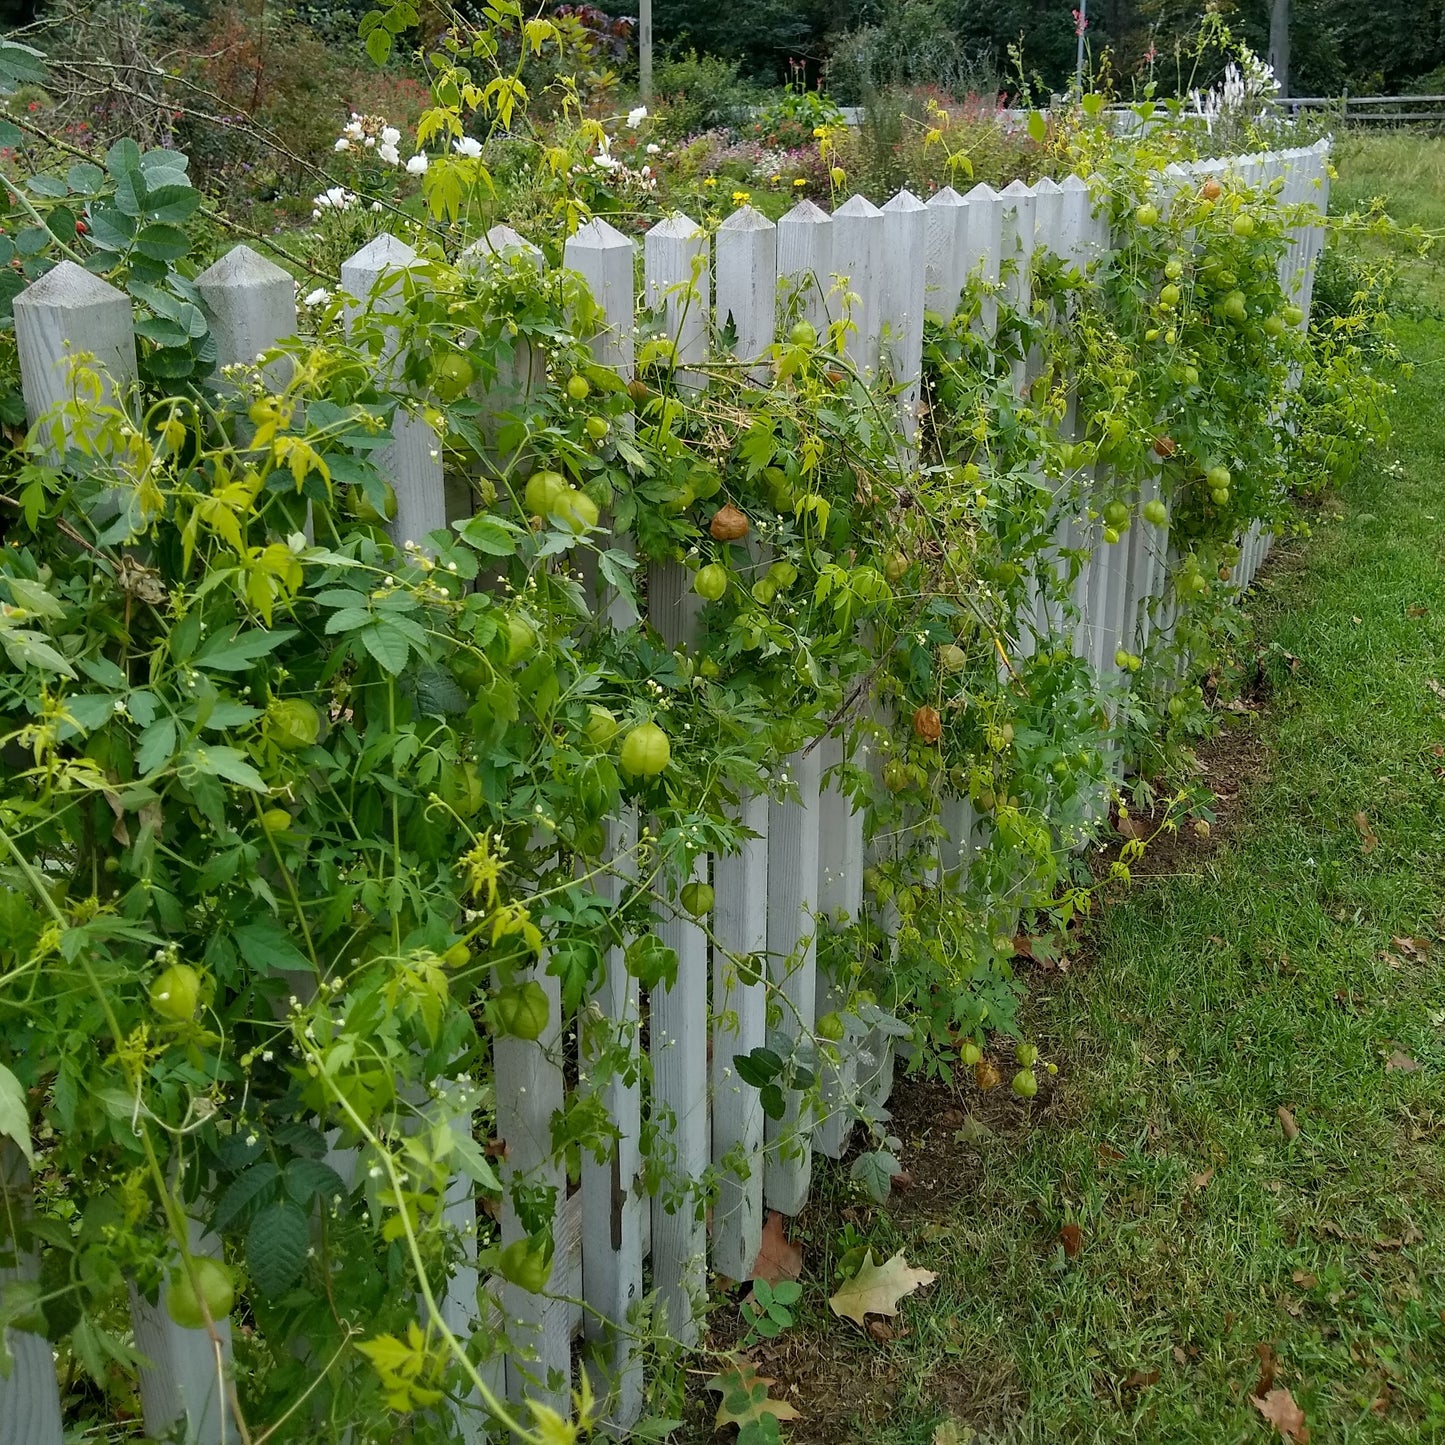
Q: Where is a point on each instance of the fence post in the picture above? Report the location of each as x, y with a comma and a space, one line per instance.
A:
250, 305
614, 1214
947, 244
859, 258
805, 261
29, 1395
602, 256
840, 901
1017, 243
740, 928
792, 965
675, 270
982, 249
905, 240
746, 262
186, 1374
375, 278
65, 314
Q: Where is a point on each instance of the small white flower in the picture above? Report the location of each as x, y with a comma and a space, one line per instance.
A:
653, 149
636, 116
376, 205
369, 142
388, 153
319, 297
390, 135
468, 146
342, 144
646, 171
353, 130
417, 165
606, 162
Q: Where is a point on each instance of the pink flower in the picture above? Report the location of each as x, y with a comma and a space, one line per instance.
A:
1081, 22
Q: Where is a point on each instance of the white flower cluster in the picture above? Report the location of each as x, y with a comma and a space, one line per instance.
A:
371, 132
1242, 94
336, 198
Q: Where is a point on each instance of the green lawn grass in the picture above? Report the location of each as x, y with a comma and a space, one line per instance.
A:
1253, 974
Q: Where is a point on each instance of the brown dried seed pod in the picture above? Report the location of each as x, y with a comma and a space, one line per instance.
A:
986, 1075
927, 724
728, 524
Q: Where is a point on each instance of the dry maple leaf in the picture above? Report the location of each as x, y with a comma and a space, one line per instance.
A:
877, 1288
778, 1257
1368, 841
1135, 829
1412, 947
1279, 1409
745, 1398
1201, 1181
1401, 1063
1072, 1239
1287, 1123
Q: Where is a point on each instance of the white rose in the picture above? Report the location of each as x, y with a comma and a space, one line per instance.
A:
653, 149
389, 154
637, 116
342, 144
468, 146
319, 297
390, 135
417, 165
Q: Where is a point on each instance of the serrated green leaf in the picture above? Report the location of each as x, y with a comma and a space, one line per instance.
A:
162, 241
276, 1246
84, 179
14, 1115
308, 1178
250, 1190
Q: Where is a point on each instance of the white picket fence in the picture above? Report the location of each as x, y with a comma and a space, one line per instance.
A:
806, 858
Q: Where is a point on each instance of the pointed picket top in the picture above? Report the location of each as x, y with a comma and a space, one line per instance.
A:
1072, 184
240, 268
1047, 186
748, 218
677, 227
384, 253
498, 244
68, 287
981, 192
250, 304
65, 312
806, 213
598, 235
904, 202
1015, 190
947, 196
856, 208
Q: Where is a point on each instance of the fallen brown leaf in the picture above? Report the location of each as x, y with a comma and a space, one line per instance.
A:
778, 1257
1304, 1279
1368, 841
882, 1331
1435, 688
1201, 1181
1180, 1358
1287, 1123
1267, 1366
1412, 947
1072, 1239
986, 1075
1400, 1063
1139, 1379
1279, 1409
1108, 1154
1135, 829
1416, 610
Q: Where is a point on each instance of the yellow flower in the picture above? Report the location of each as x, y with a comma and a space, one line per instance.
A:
775, 179
710, 181
800, 181
820, 131
739, 197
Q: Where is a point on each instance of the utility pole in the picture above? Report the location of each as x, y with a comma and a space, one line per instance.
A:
1279, 43
1081, 24
644, 50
